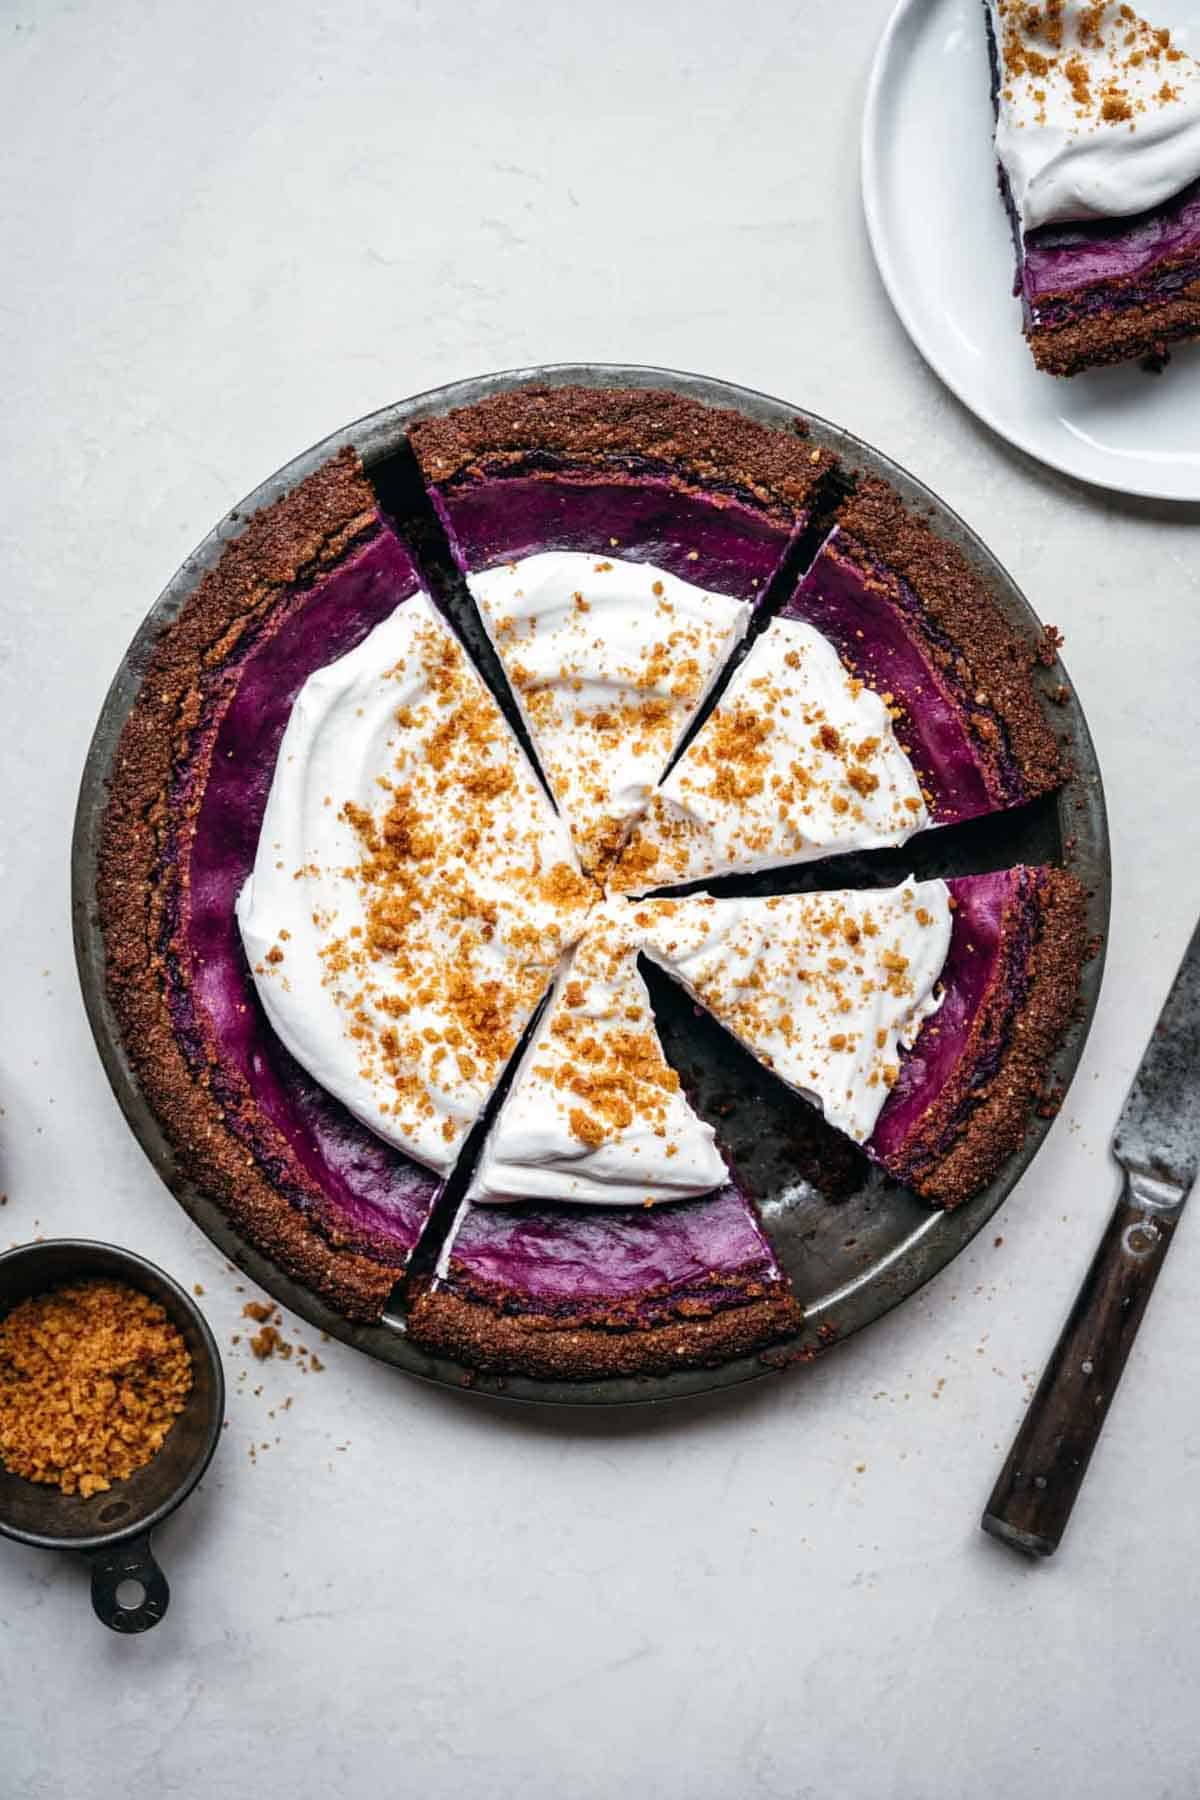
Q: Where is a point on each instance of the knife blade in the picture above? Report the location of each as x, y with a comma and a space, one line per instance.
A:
1158, 1133
1157, 1145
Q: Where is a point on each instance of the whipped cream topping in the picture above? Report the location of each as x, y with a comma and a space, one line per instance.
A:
413, 890
824, 989
609, 661
1099, 112
596, 1114
797, 760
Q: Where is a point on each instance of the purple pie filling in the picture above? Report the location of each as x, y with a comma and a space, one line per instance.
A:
990, 942
719, 541
583, 1262
373, 1197
1120, 262
877, 624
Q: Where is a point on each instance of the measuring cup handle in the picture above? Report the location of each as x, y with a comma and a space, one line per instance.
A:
133, 1561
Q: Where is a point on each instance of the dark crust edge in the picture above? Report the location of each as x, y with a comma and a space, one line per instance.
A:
991, 658
514, 1344
1116, 337
997, 1125
709, 445
288, 541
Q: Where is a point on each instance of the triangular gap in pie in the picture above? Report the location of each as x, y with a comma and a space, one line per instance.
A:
888, 696
616, 542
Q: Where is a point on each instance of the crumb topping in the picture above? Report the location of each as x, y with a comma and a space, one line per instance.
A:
609, 661
595, 1076
799, 758
1097, 59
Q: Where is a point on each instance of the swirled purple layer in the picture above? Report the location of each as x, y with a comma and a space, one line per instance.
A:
714, 540
989, 943
580, 1261
374, 1197
877, 624
1120, 262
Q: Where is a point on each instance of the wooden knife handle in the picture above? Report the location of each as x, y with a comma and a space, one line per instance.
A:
1032, 1500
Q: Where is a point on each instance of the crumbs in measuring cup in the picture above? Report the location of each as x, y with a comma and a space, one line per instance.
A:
92, 1377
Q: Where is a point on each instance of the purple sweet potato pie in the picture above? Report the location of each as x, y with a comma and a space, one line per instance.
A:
1098, 142
310, 646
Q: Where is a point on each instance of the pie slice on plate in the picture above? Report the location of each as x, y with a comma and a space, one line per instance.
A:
1098, 141
615, 542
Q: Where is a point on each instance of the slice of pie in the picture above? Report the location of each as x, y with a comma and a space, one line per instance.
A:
596, 1114
798, 760
614, 541
1098, 142
596, 1275
910, 619
920, 1019
327, 1200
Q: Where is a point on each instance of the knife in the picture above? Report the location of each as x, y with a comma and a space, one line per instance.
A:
1157, 1144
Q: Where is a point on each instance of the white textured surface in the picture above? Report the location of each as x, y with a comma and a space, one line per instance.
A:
223, 236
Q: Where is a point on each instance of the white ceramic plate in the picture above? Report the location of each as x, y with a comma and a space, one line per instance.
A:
941, 241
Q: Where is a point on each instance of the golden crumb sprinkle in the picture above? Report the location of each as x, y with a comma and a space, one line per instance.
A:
1088, 54
586, 1129
92, 1377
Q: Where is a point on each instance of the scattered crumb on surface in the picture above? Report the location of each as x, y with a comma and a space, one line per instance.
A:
266, 1342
